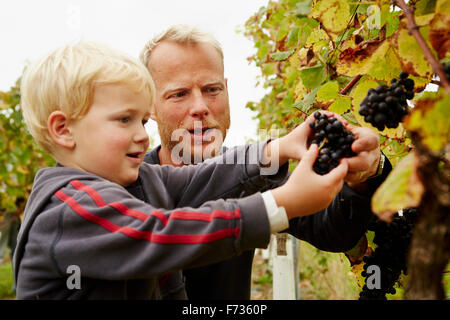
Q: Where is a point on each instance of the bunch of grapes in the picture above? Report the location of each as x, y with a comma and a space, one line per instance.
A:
385, 106
447, 71
390, 255
334, 142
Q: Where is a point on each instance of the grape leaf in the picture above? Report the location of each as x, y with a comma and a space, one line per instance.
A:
402, 189
411, 56
333, 14
328, 93
430, 119
303, 8
312, 77
307, 101
283, 55
439, 34
359, 60
300, 91
340, 105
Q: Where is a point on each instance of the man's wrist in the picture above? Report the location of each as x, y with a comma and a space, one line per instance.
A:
380, 167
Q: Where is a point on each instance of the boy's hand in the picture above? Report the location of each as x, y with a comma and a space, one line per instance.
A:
307, 192
293, 145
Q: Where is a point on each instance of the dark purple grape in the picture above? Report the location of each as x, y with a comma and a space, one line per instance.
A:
385, 106
334, 142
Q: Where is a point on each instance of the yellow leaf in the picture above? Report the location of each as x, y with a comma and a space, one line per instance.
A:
430, 119
409, 52
333, 14
401, 189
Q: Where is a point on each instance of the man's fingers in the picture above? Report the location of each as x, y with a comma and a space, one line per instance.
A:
365, 140
359, 162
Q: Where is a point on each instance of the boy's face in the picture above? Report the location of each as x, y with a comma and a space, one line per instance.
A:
110, 140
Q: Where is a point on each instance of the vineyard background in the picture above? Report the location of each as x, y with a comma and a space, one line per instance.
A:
314, 55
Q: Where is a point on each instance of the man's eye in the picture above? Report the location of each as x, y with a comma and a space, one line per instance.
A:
178, 94
124, 119
213, 89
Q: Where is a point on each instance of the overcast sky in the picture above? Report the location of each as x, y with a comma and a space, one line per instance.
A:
30, 29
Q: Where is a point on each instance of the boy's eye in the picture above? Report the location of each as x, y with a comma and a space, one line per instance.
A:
124, 119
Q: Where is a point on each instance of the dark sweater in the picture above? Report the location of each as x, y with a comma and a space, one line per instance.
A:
336, 229
123, 246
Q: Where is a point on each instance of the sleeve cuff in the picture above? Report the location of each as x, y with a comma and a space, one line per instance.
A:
277, 215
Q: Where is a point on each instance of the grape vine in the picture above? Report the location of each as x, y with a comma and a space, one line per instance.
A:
342, 56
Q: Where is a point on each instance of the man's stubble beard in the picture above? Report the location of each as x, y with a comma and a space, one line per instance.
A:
199, 154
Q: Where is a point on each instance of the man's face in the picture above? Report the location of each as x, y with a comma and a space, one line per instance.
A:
191, 93
110, 140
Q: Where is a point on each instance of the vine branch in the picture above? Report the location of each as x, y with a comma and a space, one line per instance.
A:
414, 31
350, 84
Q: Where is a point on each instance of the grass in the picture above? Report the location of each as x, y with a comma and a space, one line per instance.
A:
6, 282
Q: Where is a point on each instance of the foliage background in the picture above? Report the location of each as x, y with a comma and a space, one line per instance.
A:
308, 52
327, 54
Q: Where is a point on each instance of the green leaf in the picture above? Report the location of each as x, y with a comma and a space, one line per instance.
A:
313, 76
402, 189
423, 7
292, 38
302, 8
340, 105
283, 55
307, 101
392, 23
328, 92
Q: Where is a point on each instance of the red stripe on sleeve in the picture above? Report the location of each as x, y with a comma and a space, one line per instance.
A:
145, 235
179, 215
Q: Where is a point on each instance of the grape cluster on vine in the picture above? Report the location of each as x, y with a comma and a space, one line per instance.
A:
334, 142
390, 255
385, 106
447, 71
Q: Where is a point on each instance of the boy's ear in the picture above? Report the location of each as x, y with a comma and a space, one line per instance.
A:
58, 127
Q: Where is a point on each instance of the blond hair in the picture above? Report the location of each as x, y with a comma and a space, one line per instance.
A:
181, 34
65, 80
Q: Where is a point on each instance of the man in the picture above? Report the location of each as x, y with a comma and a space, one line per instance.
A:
191, 95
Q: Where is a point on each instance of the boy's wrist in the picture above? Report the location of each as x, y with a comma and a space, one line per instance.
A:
277, 215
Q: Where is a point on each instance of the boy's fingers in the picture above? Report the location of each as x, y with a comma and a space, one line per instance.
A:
310, 156
338, 173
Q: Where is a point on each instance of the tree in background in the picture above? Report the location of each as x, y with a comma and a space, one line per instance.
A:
20, 158
329, 54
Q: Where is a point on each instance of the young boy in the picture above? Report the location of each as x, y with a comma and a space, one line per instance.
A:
87, 105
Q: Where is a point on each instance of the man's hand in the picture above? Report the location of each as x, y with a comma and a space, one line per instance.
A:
307, 192
360, 167
365, 163
367, 147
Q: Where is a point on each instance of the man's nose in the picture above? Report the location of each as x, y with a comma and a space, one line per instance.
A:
199, 108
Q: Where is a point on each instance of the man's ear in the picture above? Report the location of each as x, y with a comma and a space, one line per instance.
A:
58, 127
